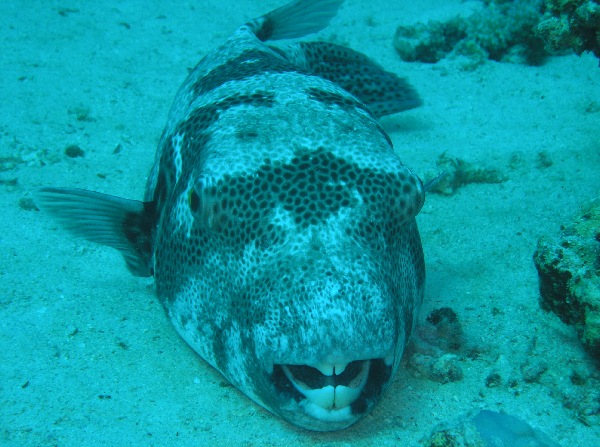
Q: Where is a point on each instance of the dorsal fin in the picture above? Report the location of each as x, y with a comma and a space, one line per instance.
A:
126, 225
295, 19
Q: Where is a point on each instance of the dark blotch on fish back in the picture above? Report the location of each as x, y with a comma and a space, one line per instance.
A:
196, 134
251, 63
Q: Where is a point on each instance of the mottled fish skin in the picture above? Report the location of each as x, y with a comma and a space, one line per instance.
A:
278, 222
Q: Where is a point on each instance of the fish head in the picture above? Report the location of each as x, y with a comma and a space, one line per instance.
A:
302, 286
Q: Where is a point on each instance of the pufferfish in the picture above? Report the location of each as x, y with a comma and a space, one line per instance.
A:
278, 222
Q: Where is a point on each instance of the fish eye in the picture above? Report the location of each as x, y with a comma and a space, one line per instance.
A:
194, 201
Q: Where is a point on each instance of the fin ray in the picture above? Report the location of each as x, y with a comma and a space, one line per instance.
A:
107, 220
296, 19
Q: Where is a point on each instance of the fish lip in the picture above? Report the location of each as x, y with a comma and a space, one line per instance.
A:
334, 398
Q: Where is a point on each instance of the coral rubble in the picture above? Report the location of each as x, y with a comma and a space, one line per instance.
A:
571, 24
502, 31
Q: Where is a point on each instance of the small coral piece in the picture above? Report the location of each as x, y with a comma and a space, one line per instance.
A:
444, 369
571, 24
74, 151
457, 173
443, 330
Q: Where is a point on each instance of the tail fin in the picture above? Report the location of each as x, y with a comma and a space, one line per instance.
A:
382, 92
296, 19
119, 223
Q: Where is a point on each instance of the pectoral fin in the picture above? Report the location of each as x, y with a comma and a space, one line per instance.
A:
126, 225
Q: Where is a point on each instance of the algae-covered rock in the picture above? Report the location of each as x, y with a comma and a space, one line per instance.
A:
429, 42
437, 347
568, 265
502, 31
571, 24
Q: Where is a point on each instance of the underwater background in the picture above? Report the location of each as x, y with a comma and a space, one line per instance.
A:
87, 354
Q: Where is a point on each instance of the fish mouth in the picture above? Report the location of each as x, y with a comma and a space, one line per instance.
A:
334, 392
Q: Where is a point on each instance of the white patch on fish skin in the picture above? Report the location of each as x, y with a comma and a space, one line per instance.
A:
183, 214
237, 359
176, 141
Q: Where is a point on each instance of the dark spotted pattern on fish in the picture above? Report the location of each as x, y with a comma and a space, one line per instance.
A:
278, 222
384, 92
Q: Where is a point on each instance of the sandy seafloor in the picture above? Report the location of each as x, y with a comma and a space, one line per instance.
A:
87, 354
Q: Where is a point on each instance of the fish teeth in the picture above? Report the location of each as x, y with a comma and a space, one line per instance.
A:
323, 397
329, 397
332, 397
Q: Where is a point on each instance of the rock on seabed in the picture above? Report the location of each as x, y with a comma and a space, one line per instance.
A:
568, 265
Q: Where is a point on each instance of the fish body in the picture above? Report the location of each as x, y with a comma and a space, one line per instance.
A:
278, 222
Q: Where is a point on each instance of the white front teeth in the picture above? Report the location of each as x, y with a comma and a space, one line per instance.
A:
323, 397
329, 397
